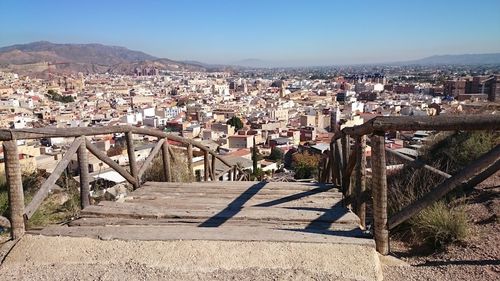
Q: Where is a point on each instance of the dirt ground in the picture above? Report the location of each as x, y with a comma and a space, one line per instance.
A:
478, 258
64, 258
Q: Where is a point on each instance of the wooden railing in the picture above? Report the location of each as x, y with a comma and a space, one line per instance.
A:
345, 163
19, 213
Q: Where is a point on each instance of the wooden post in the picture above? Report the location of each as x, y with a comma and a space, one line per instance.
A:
326, 171
379, 193
206, 165
83, 164
213, 168
15, 183
321, 167
331, 160
335, 164
360, 187
131, 159
345, 163
339, 162
190, 161
235, 173
166, 161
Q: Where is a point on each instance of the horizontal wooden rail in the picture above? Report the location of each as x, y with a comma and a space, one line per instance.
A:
49, 132
489, 161
434, 123
417, 163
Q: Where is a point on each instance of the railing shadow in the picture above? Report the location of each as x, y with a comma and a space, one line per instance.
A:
294, 197
322, 224
234, 207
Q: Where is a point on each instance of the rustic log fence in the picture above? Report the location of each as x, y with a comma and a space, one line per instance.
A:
19, 213
346, 162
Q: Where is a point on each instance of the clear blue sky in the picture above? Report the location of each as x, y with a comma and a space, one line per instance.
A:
290, 32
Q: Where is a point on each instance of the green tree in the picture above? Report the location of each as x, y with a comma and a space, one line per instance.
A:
305, 165
235, 122
276, 154
55, 96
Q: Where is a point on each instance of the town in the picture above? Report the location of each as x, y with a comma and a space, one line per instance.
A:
250, 140
277, 112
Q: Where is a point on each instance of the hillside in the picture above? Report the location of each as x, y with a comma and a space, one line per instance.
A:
87, 58
465, 59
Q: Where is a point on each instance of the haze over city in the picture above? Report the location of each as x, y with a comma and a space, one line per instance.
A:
280, 33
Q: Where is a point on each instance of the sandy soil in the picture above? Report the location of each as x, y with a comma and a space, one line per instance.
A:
64, 258
476, 259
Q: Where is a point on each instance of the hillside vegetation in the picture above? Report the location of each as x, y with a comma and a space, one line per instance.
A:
444, 222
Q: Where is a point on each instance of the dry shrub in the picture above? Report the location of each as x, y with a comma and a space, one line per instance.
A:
408, 185
439, 225
460, 148
179, 168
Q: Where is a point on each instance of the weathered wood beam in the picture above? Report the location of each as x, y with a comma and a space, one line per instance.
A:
48, 132
15, 192
211, 172
150, 158
190, 160
235, 173
417, 163
345, 162
435, 123
331, 160
339, 161
206, 165
328, 168
83, 166
167, 172
321, 170
104, 158
160, 134
351, 163
335, 163
379, 191
479, 169
212, 169
360, 174
42, 193
134, 171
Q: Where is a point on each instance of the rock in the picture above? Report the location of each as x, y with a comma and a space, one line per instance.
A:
116, 192
60, 197
97, 194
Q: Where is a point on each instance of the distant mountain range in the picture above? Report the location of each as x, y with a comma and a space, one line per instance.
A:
465, 59
38, 58
34, 58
